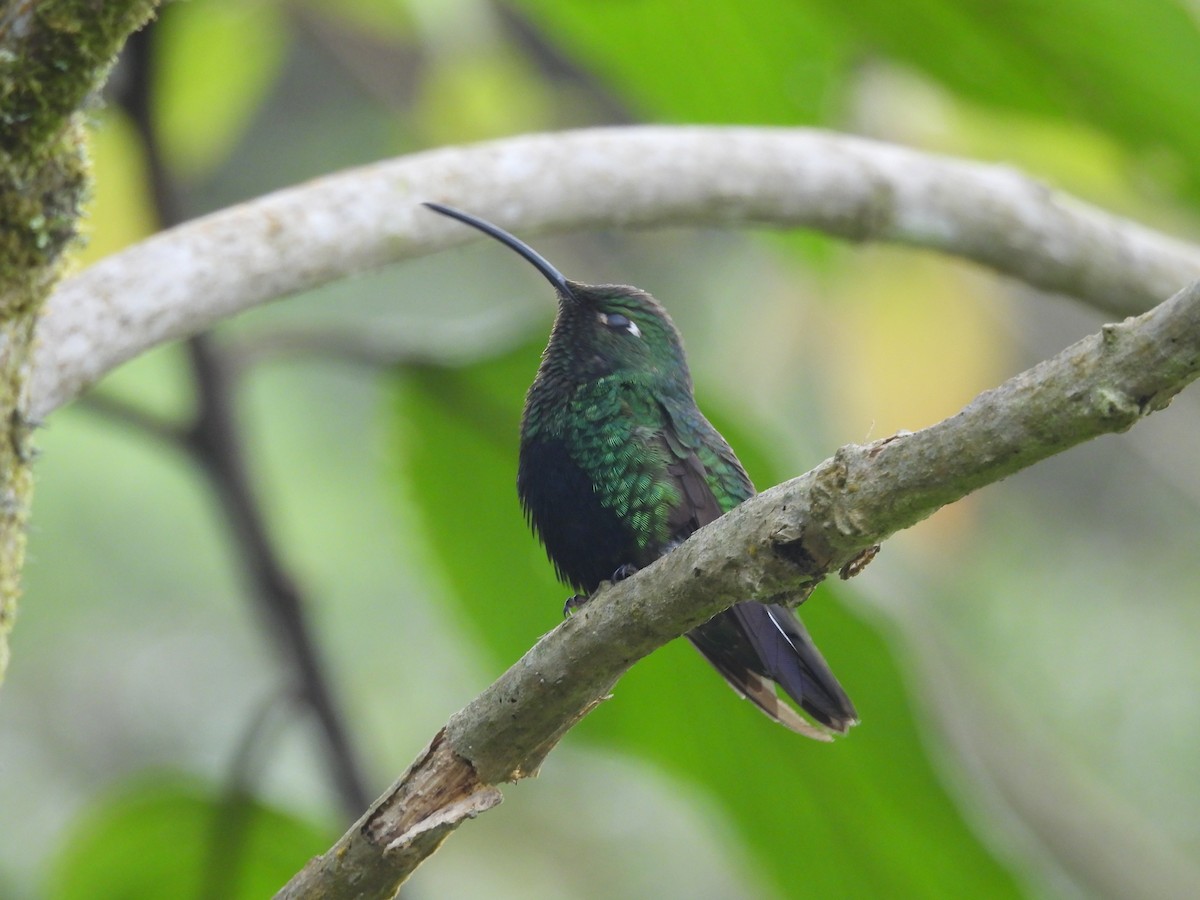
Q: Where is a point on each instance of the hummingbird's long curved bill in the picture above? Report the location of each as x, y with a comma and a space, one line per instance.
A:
540, 262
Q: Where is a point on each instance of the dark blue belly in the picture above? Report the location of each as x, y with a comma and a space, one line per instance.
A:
586, 541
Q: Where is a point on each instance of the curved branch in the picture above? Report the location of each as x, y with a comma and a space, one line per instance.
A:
774, 546
182, 281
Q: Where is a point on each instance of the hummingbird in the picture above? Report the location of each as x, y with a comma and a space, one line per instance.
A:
618, 466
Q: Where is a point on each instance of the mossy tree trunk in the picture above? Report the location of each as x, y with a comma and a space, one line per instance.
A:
54, 55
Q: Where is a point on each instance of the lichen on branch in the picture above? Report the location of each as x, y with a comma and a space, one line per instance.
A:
54, 54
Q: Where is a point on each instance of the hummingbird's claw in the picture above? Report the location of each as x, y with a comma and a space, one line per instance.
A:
574, 603
578, 601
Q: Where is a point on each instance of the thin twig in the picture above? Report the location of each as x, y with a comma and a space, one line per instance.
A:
382, 346
227, 845
116, 409
211, 442
215, 443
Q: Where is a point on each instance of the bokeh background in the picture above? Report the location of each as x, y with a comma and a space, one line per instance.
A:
1025, 662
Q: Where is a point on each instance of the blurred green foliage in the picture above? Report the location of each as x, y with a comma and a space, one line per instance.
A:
216, 62
1026, 728
173, 837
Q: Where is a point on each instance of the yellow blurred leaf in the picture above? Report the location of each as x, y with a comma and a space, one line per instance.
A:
119, 211
484, 95
216, 61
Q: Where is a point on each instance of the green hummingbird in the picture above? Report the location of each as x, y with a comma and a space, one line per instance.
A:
618, 466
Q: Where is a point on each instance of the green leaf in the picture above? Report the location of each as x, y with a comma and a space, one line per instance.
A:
756, 61
1131, 69
866, 816
216, 61
172, 836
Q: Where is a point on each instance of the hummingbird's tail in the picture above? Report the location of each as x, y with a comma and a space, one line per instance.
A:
756, 646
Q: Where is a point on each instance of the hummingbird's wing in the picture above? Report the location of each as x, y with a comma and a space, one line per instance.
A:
753, 645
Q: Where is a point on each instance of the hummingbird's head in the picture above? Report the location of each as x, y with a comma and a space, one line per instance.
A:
600, 329
615, 328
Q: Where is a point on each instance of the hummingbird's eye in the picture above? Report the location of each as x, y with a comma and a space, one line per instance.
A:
618, 322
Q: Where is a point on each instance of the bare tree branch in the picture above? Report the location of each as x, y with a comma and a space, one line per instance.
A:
181, 281
774, 546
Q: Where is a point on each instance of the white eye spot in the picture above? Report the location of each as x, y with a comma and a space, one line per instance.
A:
619, 322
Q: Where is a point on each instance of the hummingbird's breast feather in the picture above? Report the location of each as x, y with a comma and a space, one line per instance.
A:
612, 464
594, 470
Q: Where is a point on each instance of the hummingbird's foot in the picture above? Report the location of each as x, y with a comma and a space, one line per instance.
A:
574, 603
580, 600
